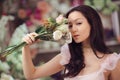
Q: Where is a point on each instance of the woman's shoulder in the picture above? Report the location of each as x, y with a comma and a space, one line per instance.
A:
115, 72
111, 61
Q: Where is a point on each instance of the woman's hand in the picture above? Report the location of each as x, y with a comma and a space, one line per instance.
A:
30, 38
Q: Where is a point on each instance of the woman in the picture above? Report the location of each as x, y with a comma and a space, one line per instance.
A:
86, 58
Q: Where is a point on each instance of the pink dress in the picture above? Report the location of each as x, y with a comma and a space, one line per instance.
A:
109, 64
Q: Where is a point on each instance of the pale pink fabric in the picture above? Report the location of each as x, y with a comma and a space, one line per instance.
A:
65, 55
109, 64
111, 61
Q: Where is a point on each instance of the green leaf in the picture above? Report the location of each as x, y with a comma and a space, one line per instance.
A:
40, 29
52, 20
45, 36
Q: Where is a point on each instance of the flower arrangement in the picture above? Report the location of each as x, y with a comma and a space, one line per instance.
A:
51, 30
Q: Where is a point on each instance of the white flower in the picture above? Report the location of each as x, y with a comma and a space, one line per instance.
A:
59, 19
68, 37
57, 35
6, 77
66, 34
63, 28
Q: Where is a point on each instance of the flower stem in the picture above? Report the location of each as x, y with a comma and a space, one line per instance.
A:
10, 50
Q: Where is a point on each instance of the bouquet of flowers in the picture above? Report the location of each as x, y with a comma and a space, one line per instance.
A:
51, 30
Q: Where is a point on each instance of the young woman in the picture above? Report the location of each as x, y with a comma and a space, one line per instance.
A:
86, 58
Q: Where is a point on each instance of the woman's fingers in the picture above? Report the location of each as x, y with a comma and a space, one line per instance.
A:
34, 34
27, 39
30, 38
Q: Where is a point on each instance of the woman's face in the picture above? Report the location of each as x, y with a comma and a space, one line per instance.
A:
78, 26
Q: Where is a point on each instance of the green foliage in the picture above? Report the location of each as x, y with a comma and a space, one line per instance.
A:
104, 6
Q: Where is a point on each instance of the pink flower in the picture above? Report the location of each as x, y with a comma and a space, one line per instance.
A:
60, 19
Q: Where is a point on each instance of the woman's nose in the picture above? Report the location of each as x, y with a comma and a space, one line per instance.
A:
74, 29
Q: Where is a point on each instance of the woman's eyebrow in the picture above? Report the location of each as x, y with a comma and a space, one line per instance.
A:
69, 21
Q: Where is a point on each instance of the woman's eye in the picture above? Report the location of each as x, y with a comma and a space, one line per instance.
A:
70, 26
78, 23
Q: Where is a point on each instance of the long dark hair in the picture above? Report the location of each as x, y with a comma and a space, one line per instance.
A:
76, 63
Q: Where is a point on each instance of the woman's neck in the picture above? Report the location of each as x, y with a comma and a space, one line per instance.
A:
87, 49
86, 45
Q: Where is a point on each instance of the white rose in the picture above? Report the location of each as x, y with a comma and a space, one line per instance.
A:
64, 28
57, 35
59, 19
68, 38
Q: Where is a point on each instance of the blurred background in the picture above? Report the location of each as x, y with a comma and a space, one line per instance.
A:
19, 17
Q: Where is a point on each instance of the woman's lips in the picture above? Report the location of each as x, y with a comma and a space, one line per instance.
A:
76, 36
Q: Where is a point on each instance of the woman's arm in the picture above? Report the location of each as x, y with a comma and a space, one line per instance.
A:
31, 72
115, 74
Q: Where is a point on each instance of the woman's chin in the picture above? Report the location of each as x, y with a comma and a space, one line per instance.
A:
77, 41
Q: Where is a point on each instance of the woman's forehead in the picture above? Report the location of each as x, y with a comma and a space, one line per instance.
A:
75, 15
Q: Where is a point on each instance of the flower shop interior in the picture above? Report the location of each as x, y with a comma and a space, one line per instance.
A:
14, 14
